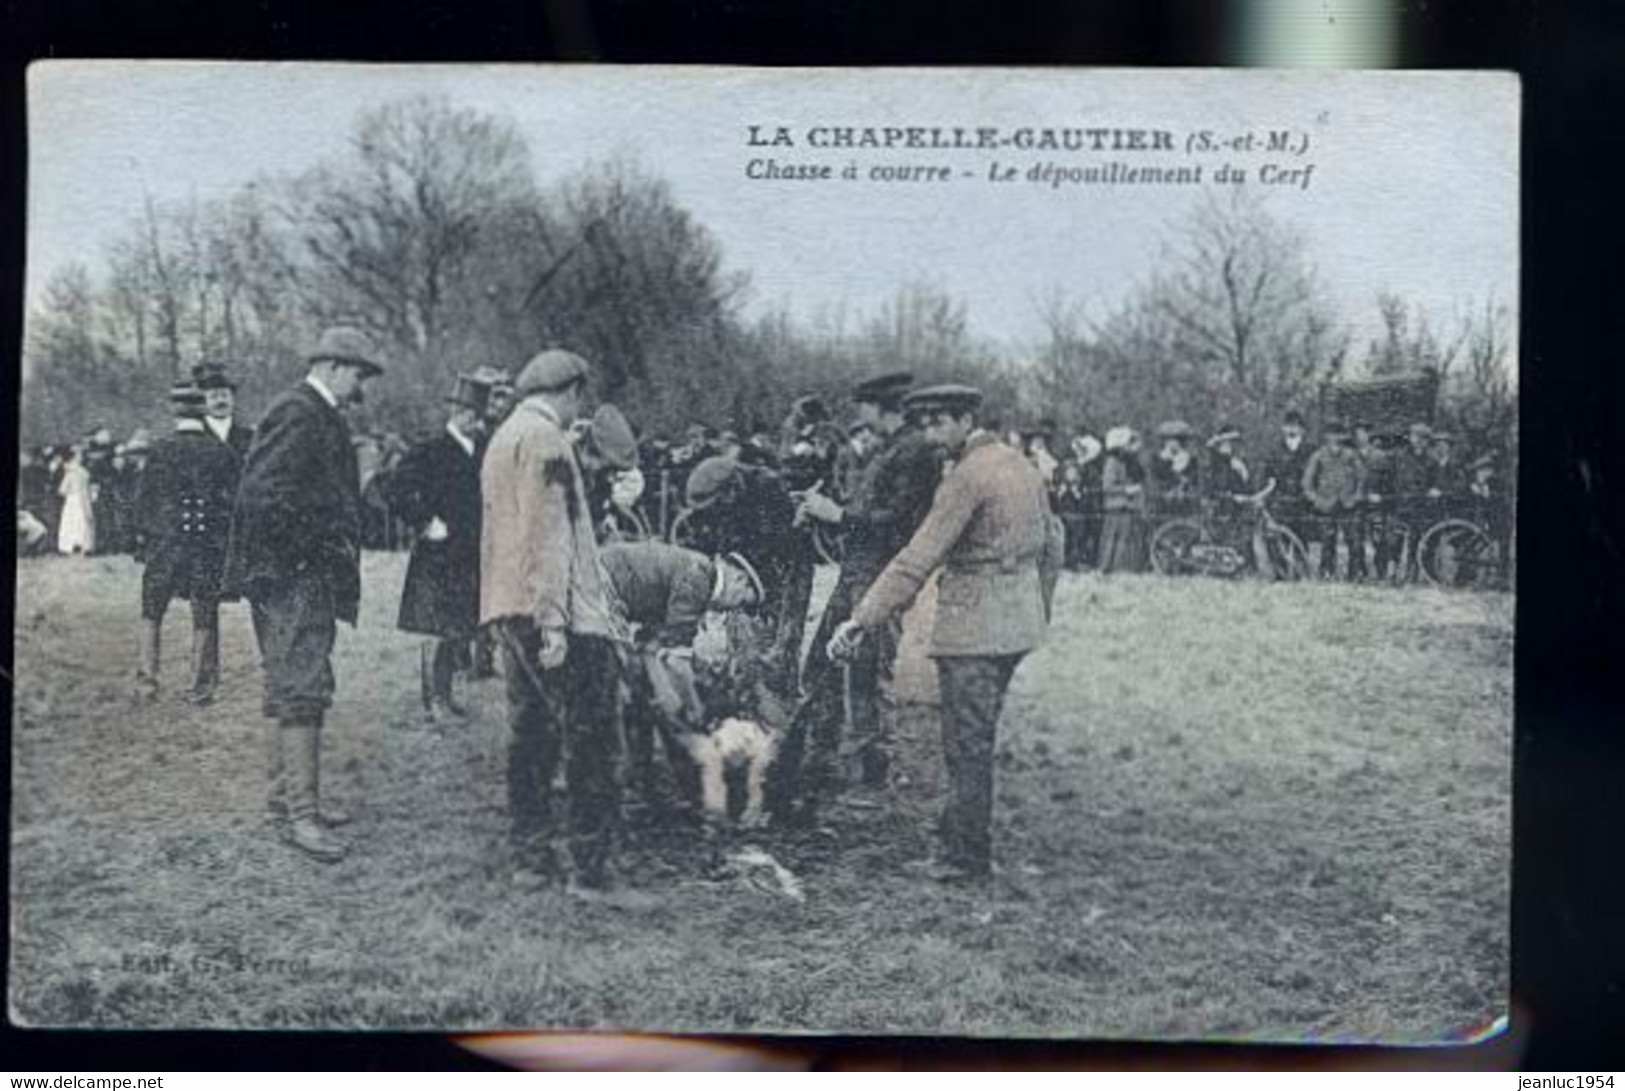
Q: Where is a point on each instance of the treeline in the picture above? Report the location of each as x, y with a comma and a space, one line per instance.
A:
432, 233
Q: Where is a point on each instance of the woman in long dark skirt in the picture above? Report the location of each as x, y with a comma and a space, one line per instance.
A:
1122, 483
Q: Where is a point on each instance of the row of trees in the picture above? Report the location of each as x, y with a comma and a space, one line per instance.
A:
433, 234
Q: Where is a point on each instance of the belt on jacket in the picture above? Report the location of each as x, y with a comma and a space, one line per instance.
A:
998, 564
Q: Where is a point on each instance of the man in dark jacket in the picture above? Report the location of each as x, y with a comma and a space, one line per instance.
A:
1284, 467
220, 406
436, 490
295, 554
887, 506
182, 515
746, 509
1410, 473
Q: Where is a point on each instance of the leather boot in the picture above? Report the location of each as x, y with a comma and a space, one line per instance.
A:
276, 802
426, 675
205, 665
302, 777
146, 675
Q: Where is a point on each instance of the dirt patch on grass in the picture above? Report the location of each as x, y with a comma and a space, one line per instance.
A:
1223, 809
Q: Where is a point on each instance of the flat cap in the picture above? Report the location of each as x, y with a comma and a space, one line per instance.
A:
709, 478
1226, 432
886, 390
951, 397
612, 438
1175, 429
551, 370
346, 345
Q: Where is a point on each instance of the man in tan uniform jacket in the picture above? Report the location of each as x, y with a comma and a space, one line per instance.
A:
991, 532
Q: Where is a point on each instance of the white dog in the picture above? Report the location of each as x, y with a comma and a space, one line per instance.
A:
734, 744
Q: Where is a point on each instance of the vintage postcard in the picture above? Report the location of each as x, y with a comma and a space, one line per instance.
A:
967, 552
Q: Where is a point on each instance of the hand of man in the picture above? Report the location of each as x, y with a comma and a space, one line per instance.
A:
815, 505
550, 653
844, 644
436, 530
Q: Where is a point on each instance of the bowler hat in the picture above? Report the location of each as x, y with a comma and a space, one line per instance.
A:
708, 479
946, 397
612, 438
883, 390
346, 345
549, 371
809, 408
494, 377
186, 400
211, 375
471, 392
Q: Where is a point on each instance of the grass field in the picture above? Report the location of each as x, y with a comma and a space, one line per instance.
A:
1224, 809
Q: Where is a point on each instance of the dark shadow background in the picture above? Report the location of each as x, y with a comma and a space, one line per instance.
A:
1568, 913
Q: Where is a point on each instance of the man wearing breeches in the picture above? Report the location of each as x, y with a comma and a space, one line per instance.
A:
991, 532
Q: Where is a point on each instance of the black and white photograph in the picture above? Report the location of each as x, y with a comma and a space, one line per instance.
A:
999, 552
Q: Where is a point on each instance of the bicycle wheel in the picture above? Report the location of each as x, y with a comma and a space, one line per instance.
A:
1457, 553
1171, 547
1285, 553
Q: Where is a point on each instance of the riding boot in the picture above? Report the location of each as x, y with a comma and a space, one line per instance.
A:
146, 675
440, 667
276, 802
302, 777
205, 664
426, 675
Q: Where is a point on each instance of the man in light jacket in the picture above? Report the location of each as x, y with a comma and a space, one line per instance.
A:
1334, 485
991, 531
542, 591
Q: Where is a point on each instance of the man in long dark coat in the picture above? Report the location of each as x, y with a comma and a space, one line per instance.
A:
887, 506
295, 554
182, 515
436, 490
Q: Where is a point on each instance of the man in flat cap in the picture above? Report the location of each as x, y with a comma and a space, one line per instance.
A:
182, 514
436, 490
1334, 484
543, 593
991, 532
885, 509
1410, 475
663, 592
607, 451
295, 554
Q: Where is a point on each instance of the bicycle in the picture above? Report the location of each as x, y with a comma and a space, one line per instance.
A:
1197, 546
1458, 554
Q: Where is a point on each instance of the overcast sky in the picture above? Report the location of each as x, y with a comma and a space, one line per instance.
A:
1414, 188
